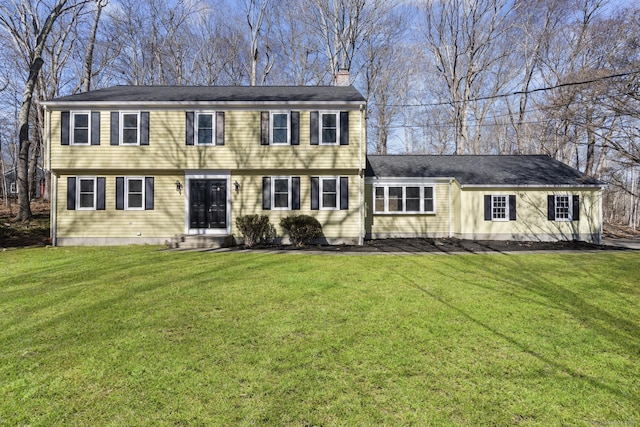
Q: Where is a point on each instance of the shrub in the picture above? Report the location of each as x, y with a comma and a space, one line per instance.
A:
254, 229
302, 229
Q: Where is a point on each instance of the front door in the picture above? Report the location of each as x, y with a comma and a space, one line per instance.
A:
208, 203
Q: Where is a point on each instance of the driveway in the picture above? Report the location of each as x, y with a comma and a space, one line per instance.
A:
628, 243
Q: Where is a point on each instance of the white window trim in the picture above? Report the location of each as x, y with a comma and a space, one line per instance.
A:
337, 114
121, 130
404, 186
13, 188
506, 207
79, 189
126, 193
272, 122
320, 193
569, 210
72, 136
196, 126
273, 194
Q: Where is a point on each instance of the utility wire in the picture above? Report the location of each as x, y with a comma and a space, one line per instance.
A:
520, 92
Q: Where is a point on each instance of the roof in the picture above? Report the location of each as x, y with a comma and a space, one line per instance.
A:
469, 170
213, 94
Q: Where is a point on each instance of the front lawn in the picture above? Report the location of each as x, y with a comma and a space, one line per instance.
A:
141, 336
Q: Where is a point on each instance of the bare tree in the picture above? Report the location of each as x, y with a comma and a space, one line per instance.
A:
22, 22
466, 39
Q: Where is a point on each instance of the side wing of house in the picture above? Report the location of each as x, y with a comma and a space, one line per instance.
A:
145, 174
535, 199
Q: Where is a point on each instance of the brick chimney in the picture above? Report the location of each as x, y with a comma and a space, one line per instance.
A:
342, 78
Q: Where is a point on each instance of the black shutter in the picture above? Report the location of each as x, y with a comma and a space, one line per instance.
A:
119, 193
144, 128
512, 207
295, 193
315, 193
576, 208
71, 193
314, 130
295, 128
487, 207
64, 127
95, 128
551, 207
264, 128
148, 193
344, 192
100, 199
344, 128
220, 128
266, 193
115, 128
189, 128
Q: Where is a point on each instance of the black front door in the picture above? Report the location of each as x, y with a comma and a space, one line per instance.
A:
208, 203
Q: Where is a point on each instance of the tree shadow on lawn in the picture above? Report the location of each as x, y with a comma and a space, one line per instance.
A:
554, 296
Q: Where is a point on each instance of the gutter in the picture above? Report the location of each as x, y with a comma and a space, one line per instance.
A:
450, 210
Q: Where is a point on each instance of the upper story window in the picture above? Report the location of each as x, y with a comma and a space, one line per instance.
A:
80, 128
129, 128
280, 128
404, 199
129, 131
81, 124
329, 128
204, 128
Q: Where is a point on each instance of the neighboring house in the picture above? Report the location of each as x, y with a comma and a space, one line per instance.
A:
529, 198
136, 164
11, 183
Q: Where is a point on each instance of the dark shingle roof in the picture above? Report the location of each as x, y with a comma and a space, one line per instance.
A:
536, 170
169, 94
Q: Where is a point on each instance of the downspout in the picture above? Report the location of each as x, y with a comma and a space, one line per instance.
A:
450, 211
53, 179
360, 182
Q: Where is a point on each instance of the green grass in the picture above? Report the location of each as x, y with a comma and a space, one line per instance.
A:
139, 336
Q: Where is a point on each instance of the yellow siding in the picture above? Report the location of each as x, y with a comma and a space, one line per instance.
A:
164, 221
336, 224
242, 150
410, 225
531, 222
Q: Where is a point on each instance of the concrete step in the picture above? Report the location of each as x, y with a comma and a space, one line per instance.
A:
200, 241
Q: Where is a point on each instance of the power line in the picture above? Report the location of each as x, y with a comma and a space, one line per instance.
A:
520, 92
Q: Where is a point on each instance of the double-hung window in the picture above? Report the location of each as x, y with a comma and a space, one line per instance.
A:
281, 195
563, 207
280, 128
329, 193
205, 128
87, 193
500, 207
329, 128
81, 128
134, 189
404, 199
129, 128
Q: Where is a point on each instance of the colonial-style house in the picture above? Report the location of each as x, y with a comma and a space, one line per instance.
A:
139, 164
